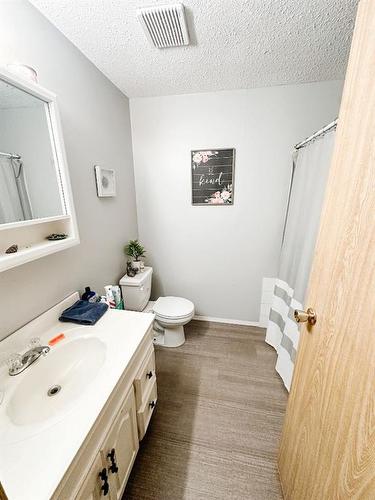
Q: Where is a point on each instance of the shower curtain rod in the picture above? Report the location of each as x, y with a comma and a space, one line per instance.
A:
11, 156
320, 132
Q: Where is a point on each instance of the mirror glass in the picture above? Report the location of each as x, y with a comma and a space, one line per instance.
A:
29, 176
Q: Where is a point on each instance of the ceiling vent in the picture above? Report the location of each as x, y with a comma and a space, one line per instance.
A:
165, 25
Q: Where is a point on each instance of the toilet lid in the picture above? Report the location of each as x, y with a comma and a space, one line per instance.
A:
173, 307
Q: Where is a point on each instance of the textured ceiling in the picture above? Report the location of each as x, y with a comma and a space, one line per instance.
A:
236, 44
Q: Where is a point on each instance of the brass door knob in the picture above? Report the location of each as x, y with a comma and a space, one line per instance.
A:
308, 316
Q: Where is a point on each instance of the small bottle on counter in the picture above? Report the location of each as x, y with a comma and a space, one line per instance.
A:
89, 295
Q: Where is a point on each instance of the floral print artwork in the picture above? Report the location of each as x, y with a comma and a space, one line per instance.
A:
202, 157
221, 198
212, 176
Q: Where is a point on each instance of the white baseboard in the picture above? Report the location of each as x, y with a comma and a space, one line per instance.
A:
228, 321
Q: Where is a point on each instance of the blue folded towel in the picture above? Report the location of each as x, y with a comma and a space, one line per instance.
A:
84, 313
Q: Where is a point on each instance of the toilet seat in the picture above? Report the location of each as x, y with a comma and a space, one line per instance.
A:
173, 321
173, 308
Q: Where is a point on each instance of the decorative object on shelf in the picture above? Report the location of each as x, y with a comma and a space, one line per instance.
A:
105, 181
23, 71
129, 269
212, 176
56, 236
12, 249
135, 250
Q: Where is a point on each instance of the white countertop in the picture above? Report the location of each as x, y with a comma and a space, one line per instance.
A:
35, 457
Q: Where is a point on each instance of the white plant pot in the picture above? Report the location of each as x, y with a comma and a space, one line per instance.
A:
136, 264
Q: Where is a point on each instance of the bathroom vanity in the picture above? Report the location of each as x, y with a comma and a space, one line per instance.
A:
81, 441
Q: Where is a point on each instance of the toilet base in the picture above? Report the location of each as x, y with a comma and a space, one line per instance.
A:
170, 336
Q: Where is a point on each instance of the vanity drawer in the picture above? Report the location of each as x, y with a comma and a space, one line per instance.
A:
145, 378
144, 414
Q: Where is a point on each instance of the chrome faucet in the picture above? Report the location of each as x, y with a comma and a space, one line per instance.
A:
19, 362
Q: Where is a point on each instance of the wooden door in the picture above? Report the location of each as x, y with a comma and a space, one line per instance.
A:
2, 494
121, 446
327, 449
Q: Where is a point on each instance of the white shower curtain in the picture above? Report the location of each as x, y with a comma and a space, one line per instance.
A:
310, 172
14, 199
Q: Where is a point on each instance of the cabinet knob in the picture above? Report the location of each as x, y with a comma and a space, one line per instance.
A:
152, 404
112, 457
104, 477
149, 374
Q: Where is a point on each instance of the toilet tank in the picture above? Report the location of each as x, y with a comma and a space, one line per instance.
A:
136, 291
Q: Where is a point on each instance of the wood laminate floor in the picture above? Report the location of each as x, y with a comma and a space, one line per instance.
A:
216, 428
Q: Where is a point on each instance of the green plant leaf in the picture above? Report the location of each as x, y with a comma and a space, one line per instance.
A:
134, 249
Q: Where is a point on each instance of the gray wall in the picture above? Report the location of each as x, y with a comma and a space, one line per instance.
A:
96, 127
217, 256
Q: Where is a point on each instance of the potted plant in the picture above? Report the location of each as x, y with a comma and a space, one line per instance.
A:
135, 250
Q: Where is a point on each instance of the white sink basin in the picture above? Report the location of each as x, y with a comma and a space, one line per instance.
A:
66, 371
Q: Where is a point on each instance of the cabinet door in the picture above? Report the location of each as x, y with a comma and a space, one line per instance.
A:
145, 412
91, 488
121, 446
144, 378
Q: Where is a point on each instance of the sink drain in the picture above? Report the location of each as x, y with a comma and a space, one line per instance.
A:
55, 389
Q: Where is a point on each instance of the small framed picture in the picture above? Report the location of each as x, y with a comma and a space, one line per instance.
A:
212, 176
105, 181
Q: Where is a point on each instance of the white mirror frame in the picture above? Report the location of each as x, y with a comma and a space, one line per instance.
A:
31, 233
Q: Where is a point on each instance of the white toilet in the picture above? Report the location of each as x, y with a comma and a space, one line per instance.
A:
171, 313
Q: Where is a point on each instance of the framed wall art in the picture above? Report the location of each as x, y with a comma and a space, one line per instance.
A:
105, 181
212, 176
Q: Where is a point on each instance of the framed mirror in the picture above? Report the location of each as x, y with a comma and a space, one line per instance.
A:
35, 190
